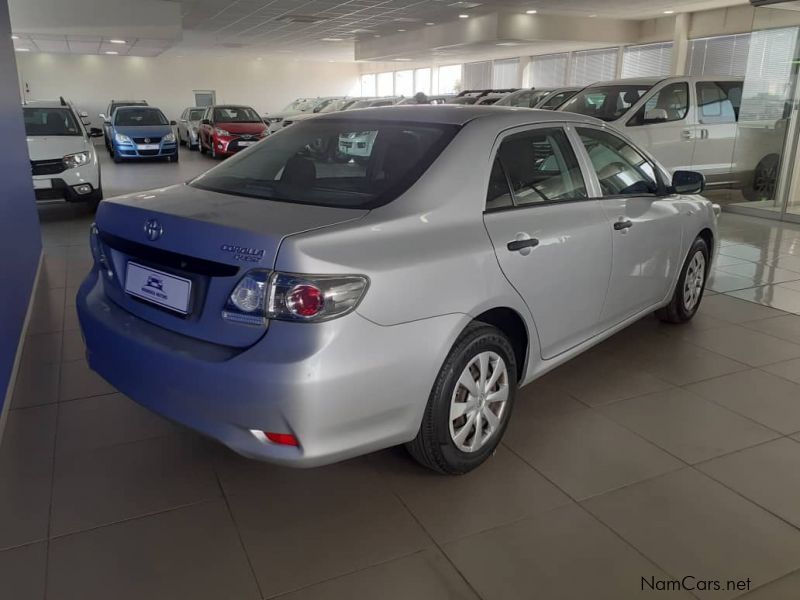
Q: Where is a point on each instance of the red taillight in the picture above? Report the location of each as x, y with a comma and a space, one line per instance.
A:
305, 300
287, 439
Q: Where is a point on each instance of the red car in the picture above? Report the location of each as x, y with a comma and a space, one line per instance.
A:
227, 129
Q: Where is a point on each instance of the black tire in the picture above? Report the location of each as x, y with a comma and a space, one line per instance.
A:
213, 150
677, 311
202, 147
181, 141
434, 446
765, 180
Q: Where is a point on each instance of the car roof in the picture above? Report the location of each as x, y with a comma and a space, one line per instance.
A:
656, 80
46, 104
137, 107
456, 114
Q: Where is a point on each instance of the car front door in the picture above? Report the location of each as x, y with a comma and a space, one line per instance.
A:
553, 242
645, 224
664, 125
717, 114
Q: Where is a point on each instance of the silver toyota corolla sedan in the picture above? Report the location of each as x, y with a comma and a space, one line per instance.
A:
303, 307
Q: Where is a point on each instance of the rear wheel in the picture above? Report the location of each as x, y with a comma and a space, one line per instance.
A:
470, 404
765, 179
691, 285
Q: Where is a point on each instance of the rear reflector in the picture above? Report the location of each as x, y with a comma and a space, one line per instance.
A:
287, 439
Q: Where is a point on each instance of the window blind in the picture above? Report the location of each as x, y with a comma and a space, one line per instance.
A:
591, 66
721, 55
505, 73
647, 61
549, 70
478, 75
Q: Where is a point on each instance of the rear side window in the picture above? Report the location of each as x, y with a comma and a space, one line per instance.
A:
670, 103
556, 100
718, 102
621, 169
343, 163
541, 167
499, 194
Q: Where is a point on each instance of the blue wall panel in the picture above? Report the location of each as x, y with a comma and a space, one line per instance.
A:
20, 238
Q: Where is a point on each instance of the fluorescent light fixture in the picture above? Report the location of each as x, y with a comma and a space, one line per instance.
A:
507, 44
463, 16
402, 59
531, 12
117, 42
332, 39
111, 52
401, 30
22, 49
592, 16
14, 37
430, 24
669, 12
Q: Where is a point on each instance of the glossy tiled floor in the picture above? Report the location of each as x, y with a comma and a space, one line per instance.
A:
664, 452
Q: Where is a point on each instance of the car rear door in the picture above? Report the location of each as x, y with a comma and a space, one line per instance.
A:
717, 114
664, 124
553, 242
645, 225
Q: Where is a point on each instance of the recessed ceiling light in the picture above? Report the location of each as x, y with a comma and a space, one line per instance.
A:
332, 39
531, 12
118, 41
463, 16
508, 44
376, 35
430, 23
403, 59
669, 12
111, 52
401, 30
592, 16
22, 49
14, 37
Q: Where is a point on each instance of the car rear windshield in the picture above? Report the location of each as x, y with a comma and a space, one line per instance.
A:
236, 114
50, 121
196, 114
139, 117
343, 163
608, 103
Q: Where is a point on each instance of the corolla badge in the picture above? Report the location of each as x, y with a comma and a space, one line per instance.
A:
243, 253
153, 229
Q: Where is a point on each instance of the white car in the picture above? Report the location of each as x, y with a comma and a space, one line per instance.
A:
691, 123
64, 162
298, 107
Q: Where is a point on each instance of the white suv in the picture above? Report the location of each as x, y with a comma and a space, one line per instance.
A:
63, 159
691, 123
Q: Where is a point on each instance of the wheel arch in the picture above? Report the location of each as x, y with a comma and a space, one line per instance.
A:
708, 237
512, 324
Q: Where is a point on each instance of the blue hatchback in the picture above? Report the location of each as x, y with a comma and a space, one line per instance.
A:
142, 132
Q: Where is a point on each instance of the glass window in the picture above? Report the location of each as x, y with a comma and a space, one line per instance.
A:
50, 121
343, 163
556, 100
541, 167
368, 85
235, 114
195, 114
713, 103
404, 83
139, 117
621, 169
670, 103
499, 194
449, 79
386, 84
422, 81
607, 103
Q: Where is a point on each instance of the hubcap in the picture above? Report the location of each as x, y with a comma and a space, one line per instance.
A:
695, 280
479, 401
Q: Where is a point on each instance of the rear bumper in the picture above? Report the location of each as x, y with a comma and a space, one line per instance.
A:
343, 388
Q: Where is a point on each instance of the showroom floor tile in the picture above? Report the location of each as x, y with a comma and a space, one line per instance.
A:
664, 451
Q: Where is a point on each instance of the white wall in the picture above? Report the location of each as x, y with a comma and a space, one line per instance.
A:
168, 82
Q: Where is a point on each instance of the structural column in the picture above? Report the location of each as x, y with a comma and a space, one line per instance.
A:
680, 43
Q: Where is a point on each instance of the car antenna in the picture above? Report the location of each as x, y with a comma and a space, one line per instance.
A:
63, 102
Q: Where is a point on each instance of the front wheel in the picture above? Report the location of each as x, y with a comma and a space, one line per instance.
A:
470, 404
691, 285
765, 180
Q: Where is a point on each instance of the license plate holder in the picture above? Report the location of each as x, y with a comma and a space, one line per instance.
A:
159, 288
147, 147
42, 184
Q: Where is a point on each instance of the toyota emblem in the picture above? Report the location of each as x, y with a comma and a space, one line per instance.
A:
153, 229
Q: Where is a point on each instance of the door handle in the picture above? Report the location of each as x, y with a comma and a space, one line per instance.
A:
623, 224
686, 134
518, 245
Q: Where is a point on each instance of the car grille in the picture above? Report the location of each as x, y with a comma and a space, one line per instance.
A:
150, 140
47, 167
148, 152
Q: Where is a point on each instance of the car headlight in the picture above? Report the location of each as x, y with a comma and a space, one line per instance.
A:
77, 160
169, 138
123, 139
221, 132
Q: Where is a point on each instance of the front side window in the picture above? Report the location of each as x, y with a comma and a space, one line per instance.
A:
139, 117
541, 167
195, 114
670, 103
607, 103
50, 121
235, 114
715, 102
342, 163
621, 169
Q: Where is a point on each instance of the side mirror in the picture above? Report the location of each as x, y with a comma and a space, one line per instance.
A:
656, 115
102, 117
95, 132
173, 123
205, 122
688, 182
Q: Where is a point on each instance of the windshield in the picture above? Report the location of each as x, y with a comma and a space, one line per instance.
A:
608, 103
294, 106
50, 121
139, 117
556, 100
337, 162
361, 104
236, 114
463, 100
196, 114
